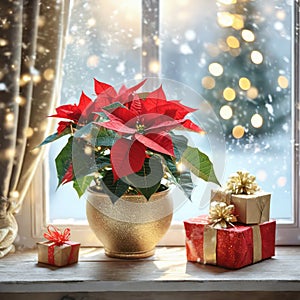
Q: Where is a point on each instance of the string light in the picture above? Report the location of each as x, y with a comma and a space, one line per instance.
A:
244, 83
283, 82
238, 131
257, 121
208, 82
215, 69
232, 42
248, 35
252, 93
226, 112
256, 57
229, 94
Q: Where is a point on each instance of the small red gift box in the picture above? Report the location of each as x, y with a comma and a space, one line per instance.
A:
233, 247
58, 250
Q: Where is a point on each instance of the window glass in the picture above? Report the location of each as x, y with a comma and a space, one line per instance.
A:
234, 55
237, 55
103, 42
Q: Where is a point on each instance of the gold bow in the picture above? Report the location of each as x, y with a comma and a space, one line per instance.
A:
242, 183
221, 215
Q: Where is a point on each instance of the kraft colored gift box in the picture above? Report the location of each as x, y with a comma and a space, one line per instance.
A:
249, 209
50, 253
233, 247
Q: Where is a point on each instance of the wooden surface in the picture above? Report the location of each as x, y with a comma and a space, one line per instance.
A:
167, 271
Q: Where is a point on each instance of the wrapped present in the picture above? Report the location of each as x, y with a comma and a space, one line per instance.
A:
58, 250
233, 247
252, 206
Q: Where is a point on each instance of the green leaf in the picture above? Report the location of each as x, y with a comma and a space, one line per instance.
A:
148, 179
182, 179
170, 163
89, 131
81, 184
180, 144
113, 106
106, 138
63, 160
199, 164
55, 136
186, 184
102, 161
113, 189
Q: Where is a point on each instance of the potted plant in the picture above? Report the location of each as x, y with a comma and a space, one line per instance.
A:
123, 150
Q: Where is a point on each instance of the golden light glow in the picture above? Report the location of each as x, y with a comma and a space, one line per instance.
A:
235, 52
283, 82
14, 194
226, 112
215, 69
3, 42
138, 76
20, 100
93, 61
248, 35
281, 181
29, 132
244, 83
9, 117
238, 22
37, 78
252, 93
91, 22
212, 50
227, 2
225, 19
9, 120
154, 66
48, 74
233, 42
223, 45
229, 94
256, 57
25, 78
41, 21
257, 121
180, 167
156, 40
238, 131
208, 82
281, 15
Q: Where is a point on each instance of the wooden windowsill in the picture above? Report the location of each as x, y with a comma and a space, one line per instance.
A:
167, 271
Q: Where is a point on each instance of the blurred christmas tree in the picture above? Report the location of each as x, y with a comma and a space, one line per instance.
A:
249, 73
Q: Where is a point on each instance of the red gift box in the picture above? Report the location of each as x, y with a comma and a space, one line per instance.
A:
233, 247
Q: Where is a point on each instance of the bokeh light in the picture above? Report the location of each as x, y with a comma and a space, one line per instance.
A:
226, 112
238, 131
229, 94
216, 69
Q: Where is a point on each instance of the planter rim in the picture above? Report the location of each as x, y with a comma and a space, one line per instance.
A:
92, 190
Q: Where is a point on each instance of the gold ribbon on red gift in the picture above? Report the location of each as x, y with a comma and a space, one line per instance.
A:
221, 215
58, 238
210, 244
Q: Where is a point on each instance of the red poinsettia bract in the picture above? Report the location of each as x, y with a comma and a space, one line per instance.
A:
144, 124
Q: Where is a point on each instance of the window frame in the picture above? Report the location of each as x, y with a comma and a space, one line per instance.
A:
33, 217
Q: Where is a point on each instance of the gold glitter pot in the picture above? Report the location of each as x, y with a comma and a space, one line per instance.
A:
132, 226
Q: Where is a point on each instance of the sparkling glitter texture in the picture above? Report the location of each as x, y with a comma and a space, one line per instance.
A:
233, 247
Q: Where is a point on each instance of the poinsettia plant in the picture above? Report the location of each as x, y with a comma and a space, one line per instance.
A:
128, 142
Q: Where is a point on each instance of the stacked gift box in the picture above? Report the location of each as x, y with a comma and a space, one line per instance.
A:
237, 232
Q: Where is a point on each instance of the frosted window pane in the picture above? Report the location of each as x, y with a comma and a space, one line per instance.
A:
103, 42
238, 57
